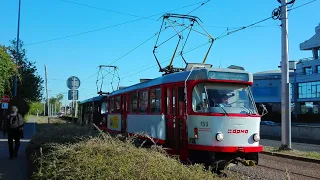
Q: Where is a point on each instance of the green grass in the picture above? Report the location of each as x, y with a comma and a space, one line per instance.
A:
72, 152
30, 117
311, 154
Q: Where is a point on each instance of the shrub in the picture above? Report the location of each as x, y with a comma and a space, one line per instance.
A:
60, 134
71, 152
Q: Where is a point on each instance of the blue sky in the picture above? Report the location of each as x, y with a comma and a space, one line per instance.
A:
256, 49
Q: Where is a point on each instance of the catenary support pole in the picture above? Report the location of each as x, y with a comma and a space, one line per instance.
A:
46, 78
285, 101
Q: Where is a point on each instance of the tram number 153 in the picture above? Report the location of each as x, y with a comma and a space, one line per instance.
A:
204, 123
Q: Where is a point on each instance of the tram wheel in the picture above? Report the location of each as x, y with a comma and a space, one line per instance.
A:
221, 174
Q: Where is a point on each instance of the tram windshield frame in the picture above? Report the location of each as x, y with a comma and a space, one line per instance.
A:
225, 98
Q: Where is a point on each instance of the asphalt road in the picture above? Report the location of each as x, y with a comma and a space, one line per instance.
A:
15, 169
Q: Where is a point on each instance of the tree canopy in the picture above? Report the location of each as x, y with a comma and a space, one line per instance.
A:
36, 107
7, 71
30, 83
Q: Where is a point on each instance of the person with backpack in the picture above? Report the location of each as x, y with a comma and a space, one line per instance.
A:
14, 128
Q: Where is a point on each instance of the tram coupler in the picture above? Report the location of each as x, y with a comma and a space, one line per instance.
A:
246, 162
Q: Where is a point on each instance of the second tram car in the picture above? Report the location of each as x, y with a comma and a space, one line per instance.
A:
94, 110
202, 114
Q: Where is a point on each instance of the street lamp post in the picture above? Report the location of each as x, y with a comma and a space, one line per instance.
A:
15, 86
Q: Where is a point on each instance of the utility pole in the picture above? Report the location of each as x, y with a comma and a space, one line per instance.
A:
65, 105
44, 107
15, 85
285, 101
46, 78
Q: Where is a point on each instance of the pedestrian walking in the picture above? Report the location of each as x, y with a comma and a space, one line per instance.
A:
14, 128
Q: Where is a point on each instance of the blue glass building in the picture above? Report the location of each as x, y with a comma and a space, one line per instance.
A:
304, 86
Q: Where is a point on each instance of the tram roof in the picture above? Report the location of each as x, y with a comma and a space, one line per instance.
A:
93, 99
197, 74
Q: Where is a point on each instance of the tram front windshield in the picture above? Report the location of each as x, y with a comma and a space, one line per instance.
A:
223, 98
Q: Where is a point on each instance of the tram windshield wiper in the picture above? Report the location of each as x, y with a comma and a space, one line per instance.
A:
247, 110
225, 112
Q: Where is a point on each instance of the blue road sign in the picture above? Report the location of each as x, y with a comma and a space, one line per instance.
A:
73, 82
4, 106
72, 96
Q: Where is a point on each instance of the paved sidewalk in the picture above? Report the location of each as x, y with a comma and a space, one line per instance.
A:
294, 145
16, 169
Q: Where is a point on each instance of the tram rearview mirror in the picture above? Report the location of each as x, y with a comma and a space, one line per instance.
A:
204, 96
264, 110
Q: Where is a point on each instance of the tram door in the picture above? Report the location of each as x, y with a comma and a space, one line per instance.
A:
124, 113
175, 120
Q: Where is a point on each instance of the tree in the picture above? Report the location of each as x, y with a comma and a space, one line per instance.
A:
36, 107
7, 70
53, 103
56, 102
30, 83
59, 97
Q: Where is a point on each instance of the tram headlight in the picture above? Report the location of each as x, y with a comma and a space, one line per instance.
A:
219, 136
256, 137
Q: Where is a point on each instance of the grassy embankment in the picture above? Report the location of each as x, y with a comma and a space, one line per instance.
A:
66, 151
311, 154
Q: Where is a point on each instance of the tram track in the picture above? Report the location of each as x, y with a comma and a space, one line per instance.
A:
271, 167
285, 171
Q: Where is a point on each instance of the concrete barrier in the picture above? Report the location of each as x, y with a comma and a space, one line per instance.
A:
299, 133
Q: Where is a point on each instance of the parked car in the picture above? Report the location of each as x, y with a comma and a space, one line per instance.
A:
267, 123
60, 114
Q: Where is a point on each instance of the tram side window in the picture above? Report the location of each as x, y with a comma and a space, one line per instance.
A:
104, 108
198, 98
117, 104
155, 100
143, 101
111, 105
133, 102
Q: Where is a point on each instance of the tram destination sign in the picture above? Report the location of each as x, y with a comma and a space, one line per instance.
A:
228, 76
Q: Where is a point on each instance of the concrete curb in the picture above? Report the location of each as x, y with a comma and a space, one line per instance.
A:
300, 158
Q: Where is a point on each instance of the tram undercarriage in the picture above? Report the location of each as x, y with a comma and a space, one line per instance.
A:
218, 161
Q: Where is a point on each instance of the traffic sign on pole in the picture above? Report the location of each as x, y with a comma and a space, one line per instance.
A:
73, 82
5, 99
73, 95
4, 106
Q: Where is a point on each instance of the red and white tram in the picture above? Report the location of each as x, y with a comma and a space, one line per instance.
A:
202, 114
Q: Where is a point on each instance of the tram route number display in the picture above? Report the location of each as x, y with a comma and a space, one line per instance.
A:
114, 122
